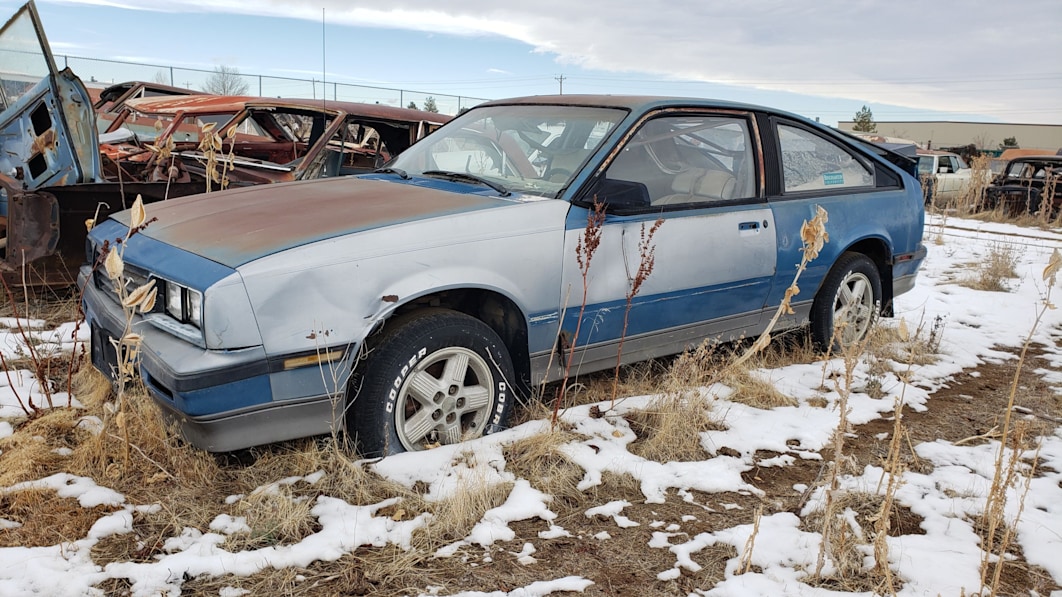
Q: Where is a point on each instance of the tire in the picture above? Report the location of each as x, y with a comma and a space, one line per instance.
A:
849, 301
439, 377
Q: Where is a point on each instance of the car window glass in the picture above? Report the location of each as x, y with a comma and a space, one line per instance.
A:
23, 64
685, 160
811, 162
528, 149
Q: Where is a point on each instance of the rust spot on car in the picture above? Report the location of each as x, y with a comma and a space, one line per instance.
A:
44, 142
389, 298
250, 223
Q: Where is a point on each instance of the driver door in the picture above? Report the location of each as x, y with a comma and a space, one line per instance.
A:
683, 191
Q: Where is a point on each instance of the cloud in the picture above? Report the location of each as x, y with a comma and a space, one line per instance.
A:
498, 71
983, 56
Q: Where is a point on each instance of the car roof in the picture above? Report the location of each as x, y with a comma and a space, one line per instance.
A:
202, 104
631, 102
1037, 158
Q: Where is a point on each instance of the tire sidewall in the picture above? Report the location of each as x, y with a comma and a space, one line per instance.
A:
378, 380
822, 308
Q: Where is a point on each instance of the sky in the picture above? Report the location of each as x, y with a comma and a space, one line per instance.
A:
941, 557
978, 60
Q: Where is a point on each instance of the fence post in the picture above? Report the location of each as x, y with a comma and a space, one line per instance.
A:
259, 85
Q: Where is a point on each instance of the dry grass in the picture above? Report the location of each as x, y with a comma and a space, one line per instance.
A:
669, 429
454, 516
994, 272
755, 388
539, 459
852, 529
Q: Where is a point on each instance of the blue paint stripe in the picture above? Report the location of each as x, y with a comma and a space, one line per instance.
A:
160, 258
603, 322
219, 399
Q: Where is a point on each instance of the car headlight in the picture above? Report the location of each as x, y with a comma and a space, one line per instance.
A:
184, 304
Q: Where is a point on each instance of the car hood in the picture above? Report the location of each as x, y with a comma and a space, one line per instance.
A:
238, 226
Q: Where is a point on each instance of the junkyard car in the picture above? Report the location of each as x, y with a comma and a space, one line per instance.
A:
55, 174
1027, 185
416, 304
945, 176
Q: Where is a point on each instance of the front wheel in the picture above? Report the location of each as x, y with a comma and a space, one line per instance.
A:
847, 304
436, 378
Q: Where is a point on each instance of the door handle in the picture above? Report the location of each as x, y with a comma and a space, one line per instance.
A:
749, 226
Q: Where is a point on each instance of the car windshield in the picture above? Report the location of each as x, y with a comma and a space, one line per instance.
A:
529, 149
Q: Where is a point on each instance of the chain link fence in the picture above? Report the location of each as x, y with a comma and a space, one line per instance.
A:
95, 71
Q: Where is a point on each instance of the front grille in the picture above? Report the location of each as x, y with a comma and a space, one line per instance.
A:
132, 276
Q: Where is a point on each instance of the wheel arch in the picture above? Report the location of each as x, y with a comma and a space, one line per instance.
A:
495, 309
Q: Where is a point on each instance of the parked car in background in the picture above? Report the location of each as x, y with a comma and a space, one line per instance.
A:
1027, 185
945, 176
414, 305
272, 139
110, 100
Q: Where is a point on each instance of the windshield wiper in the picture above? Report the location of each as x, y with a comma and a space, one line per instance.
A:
401, 173
464, 176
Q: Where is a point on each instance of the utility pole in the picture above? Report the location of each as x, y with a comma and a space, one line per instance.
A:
560, 79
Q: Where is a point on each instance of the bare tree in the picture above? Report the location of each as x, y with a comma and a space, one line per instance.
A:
226, 80
162, 77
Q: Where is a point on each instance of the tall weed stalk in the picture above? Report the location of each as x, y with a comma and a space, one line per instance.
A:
646, 262
584, 255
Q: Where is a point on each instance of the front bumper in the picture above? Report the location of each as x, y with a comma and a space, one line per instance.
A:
220, 400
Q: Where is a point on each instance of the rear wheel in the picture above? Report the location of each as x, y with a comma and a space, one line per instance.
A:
847, 304
440, 377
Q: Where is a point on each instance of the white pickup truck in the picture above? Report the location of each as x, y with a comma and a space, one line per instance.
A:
944, 175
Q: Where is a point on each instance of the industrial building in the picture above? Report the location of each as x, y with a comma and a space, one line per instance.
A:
986, 136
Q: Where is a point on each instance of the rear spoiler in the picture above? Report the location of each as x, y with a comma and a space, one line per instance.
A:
906, 163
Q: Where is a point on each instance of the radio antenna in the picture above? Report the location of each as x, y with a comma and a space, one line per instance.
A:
324, 70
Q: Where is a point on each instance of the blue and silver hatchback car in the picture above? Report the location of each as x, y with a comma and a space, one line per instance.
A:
414, 306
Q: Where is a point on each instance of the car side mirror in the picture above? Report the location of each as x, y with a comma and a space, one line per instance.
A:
619, 196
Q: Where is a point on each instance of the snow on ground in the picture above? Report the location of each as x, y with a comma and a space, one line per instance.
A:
945, 560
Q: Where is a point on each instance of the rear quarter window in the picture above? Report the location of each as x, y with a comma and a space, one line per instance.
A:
811, 162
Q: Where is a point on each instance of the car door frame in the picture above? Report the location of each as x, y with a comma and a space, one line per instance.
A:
50, 140
602, 327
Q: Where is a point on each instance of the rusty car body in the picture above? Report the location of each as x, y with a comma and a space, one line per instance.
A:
111, 99
58, 174
262, 139
1027, 184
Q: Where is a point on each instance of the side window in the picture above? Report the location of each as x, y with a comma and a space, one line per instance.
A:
811, 162
686, 160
